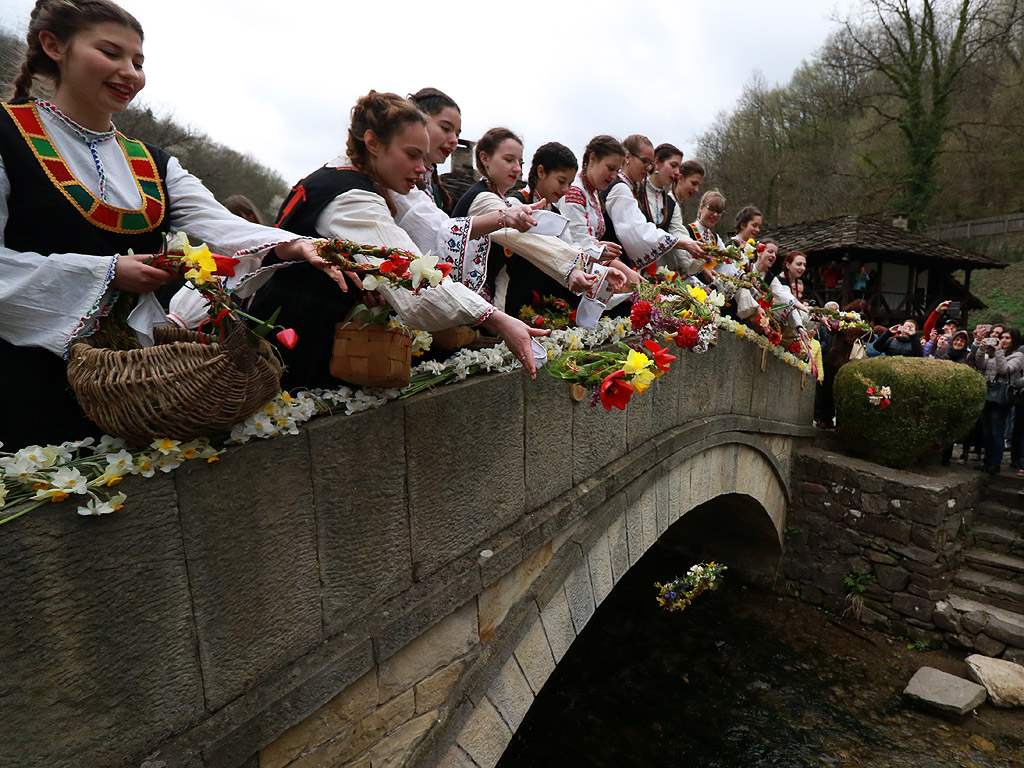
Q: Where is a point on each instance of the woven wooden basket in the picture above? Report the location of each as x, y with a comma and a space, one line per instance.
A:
180, 388
370, 355
451, 339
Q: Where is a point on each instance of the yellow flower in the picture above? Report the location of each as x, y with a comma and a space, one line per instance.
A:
202, 263
698, 293
165, 446
636, 362
642, 380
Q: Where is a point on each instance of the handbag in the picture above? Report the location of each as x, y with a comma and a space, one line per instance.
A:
998, 393
859, 350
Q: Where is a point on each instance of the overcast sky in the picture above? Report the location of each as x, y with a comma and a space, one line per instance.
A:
277, 79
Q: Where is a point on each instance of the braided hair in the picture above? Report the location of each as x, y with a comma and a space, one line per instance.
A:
385, 114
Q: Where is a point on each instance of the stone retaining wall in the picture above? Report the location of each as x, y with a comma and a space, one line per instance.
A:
899, 535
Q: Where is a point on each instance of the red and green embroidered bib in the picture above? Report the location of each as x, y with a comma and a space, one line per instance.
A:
97, 212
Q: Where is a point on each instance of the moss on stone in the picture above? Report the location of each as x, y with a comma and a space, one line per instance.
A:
933, 403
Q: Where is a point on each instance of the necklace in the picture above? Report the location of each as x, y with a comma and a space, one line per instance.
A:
91, 139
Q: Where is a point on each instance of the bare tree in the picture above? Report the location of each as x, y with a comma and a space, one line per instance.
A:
920, 50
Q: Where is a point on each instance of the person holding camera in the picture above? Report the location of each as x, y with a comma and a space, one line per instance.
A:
902, 339
1000, 361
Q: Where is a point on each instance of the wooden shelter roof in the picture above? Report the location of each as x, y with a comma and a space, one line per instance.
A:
870, 240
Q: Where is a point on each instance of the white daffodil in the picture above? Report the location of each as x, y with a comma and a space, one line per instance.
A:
425, 268
100, 507
62, 483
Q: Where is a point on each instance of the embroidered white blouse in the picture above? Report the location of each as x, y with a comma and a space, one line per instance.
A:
49, 299
642, 241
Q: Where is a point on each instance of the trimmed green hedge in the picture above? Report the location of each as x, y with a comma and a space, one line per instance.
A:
933, 403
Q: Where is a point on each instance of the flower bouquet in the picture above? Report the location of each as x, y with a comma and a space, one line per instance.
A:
677, 594
674, 310
613, 376
384, 267
548, 312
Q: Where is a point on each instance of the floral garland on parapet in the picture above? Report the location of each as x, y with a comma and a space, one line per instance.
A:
677, 594
745, 332
845, 320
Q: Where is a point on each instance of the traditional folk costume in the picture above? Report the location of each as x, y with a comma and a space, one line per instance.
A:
643, 243
489, 255
525, 279
339, 200
662, 210
71, 200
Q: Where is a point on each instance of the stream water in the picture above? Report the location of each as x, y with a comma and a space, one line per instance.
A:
742, 679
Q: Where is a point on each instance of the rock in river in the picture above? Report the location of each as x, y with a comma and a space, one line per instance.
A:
1003, 679
942, 692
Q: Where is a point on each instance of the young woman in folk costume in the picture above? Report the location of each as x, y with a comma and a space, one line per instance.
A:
386, 150
551, 172
421, 212
499, 158
82, 207
748, 224
659, 207
643, 243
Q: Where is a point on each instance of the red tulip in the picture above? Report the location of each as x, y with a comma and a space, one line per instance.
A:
760, 247
444, 268
225, 265
662, 359
615, 391
288, 338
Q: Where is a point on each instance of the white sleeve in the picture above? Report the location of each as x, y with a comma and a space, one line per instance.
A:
552, 255
783, 294
364, 217
430, 228
49, 299
195, 211
641, 240
677, 259
574, 207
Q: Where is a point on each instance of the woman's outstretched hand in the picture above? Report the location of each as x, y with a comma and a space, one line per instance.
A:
517, 335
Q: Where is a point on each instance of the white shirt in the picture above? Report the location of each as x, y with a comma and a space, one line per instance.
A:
49, 299
642, 241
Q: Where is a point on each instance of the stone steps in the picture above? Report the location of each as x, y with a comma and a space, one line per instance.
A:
998, 538
980, 617
993, 513
1004, 566
986, 588
1004, 493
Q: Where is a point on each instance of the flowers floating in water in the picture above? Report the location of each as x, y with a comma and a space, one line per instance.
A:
677, 594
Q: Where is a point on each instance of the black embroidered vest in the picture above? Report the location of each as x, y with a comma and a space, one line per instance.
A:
50, 211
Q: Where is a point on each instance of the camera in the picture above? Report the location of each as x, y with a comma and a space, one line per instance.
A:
953, 310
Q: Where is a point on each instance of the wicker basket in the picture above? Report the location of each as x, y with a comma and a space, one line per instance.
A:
452, 339
370, 355
180, 388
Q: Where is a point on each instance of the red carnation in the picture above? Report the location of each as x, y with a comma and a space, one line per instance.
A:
662, 358
686, 336
615, 391
871, 390
640, 314
796, 348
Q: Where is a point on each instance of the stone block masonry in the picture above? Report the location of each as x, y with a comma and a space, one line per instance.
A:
892, 547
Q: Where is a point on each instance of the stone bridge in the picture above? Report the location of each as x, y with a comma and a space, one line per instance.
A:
387, 589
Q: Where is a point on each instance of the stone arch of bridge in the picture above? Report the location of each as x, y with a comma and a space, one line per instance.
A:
729, 493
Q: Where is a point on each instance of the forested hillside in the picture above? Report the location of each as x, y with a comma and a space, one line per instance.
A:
223, 170
913, 107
